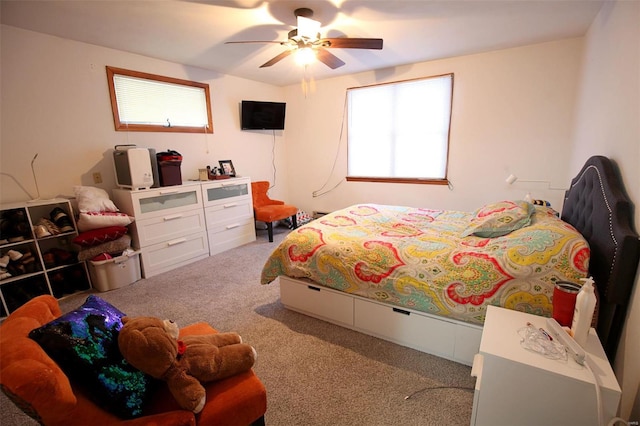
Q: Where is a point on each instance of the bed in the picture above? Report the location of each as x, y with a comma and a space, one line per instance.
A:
424, 278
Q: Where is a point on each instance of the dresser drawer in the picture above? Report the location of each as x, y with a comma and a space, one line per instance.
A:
226, 191
231, 233
158, 202
167, 227
167, 255
239, 209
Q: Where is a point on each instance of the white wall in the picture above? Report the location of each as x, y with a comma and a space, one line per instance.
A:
55, 102
608, 123
512, 113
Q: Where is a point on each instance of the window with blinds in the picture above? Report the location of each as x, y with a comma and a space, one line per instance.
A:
151, 103
399, 132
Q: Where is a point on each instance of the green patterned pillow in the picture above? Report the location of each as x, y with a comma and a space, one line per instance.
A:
501, 218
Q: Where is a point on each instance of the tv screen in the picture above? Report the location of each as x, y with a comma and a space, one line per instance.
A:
256, 115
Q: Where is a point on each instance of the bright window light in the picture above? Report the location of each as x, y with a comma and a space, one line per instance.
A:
400, 130
146, 102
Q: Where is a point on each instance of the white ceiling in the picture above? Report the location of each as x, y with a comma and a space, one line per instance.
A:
194, 32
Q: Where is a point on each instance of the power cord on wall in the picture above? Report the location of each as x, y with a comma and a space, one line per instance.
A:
318, 192
273, 158
614, 420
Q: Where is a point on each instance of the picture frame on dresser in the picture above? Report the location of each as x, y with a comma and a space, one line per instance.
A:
226, 168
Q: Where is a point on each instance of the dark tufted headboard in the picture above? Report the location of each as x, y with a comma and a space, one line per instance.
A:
598, 207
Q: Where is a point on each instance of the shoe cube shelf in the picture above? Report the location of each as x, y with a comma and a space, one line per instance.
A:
181, 224
38, 264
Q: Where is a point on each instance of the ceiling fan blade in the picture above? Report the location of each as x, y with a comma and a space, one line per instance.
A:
329, 59
352, 43
277, 59
251, 41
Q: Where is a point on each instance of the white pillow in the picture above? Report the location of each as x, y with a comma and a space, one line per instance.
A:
95, 220
92, 199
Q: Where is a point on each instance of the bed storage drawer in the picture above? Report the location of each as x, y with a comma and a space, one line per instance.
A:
406, 327
317, 301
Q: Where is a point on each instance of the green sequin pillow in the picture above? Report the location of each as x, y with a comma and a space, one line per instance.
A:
84, 342
501, 218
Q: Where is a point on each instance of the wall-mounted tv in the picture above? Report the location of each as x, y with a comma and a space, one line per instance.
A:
257, 115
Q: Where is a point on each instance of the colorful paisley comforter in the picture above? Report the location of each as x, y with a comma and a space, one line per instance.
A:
415, 258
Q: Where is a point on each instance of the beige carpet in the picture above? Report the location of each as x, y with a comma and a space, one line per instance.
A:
315, 373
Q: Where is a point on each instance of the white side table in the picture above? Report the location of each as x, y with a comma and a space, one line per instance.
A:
516, 386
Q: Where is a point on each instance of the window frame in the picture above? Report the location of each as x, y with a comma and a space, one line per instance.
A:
427, 181
120, 126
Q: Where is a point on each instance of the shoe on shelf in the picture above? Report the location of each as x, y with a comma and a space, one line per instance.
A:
14, 255
50, 226
41, 231
4, 261
49, 260
61, 219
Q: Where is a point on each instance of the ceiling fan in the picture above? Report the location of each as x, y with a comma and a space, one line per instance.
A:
305, 39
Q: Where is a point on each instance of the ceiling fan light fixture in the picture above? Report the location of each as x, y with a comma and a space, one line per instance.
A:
305, 56
308, 28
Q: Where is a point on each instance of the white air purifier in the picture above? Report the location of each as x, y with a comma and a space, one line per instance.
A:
133, 167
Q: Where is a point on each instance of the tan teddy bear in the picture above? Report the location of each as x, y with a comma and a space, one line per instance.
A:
152, 346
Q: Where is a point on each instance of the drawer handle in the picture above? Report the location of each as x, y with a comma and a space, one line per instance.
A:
176, 216
401, 311
175, 191
226, 206
310, 287
235, 225
175, 242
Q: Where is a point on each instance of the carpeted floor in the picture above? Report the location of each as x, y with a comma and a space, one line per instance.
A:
315, 373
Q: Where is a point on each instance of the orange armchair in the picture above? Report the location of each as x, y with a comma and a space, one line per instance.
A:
37, 385
267, 210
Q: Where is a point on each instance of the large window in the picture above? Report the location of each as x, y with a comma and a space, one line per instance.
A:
151, 103
399, 132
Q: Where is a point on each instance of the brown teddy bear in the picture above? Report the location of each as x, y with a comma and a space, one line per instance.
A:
152, 346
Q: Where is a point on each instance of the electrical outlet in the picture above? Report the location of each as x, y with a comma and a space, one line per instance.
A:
97, 177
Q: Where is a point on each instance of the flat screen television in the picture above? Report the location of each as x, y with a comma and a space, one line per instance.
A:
257, 115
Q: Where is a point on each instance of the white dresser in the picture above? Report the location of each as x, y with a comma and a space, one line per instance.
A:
169, 227
177, 225
515, 386
228, 209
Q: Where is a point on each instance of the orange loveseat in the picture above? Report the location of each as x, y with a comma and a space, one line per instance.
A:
41, 389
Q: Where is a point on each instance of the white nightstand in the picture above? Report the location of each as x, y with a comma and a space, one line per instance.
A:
515, 386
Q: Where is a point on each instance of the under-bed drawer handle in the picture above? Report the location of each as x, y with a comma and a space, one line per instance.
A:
310, 287
401, 311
